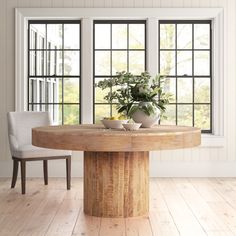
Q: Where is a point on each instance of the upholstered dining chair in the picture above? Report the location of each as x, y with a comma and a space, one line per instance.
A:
20, 126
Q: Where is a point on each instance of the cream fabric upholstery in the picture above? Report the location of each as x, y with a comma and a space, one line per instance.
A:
20, 126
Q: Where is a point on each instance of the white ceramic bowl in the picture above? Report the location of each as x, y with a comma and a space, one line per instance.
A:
113, 124
132, 126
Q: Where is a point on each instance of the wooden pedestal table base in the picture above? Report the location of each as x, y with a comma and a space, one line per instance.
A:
116, 184
116, 174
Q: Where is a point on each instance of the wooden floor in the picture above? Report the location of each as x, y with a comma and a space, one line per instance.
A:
178, 206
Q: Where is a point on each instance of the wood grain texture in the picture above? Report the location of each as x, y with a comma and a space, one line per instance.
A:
116, 162
183, 203
97, 138
116, 184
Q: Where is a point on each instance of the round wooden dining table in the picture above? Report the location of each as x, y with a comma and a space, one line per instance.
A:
116, 162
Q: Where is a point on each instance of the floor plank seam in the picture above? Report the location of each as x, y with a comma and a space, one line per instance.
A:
76, 220
218, 194
168, 209
191, 210
178, 206
46, 231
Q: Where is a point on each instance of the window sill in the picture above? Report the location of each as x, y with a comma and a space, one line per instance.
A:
211, 140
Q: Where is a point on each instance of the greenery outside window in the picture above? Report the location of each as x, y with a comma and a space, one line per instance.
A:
54, 55
119, 45
185, 58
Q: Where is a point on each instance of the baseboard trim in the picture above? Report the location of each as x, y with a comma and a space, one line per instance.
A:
56, 168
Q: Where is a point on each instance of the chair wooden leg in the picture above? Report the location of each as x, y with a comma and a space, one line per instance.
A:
45, 171
68, 172
23, 177
15, 173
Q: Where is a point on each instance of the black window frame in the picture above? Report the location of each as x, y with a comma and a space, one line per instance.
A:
62, 76
111, 50
176, 22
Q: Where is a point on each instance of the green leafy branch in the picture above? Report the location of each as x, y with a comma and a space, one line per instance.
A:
134, 89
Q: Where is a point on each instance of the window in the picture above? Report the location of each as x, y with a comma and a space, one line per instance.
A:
118, 46
27, 93
185, 58
54, 57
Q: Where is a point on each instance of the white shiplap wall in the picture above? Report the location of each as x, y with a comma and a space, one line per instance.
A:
188, 162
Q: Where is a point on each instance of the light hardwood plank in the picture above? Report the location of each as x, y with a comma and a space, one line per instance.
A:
220, 233
201, 210
178, 206
206, 190
87, 225
138, 226
185, 220
112, 226
226, 212
215, 199
76, 192
160, 217
65, 218
226, 191
18, 214
162, 223
41, 219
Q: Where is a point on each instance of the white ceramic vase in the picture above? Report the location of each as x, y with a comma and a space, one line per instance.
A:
147, 121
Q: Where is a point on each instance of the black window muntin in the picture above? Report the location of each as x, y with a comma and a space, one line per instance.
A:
46, 49
110, 50
176, 22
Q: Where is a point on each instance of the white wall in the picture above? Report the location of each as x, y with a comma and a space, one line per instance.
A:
190, 162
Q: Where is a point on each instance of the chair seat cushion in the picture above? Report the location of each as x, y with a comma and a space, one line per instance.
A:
30, 151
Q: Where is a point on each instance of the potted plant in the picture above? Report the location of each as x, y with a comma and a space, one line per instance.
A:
139, 97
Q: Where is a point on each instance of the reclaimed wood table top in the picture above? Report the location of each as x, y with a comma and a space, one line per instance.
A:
90, 137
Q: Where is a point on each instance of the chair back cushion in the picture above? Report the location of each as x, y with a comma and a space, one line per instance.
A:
20, 126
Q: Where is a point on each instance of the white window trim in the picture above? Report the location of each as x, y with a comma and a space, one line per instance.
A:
152, 15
